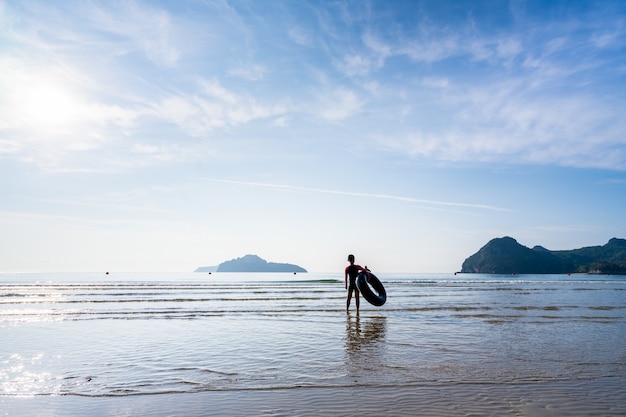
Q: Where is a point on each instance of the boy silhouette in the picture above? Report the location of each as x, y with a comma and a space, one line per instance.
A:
349, 280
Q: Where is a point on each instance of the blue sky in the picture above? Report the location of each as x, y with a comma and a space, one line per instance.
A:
167, 135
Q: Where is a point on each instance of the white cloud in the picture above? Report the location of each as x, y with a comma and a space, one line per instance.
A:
434, 49
354, 65
509, 47
606, 39
381, 49
147, 28
213, 89
110, 29
253, 72
300, 36
432, 44
281, 121
192, 114
435, 82
507, 122
146, 153
214, 106
339, 104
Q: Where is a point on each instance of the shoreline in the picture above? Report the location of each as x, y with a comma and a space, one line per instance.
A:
598, 397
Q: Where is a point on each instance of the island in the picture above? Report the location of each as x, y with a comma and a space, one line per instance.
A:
506, 256
251, 263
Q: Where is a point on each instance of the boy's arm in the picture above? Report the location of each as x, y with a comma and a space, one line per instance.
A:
363, 269
367, 272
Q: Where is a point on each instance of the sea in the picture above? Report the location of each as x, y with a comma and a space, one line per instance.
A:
151, 334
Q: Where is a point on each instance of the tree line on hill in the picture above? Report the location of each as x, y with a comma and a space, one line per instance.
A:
251, 263
505, 256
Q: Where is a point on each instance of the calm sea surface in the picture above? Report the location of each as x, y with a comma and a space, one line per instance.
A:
137, 334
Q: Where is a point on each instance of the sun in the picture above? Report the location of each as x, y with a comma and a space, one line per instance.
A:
47, 104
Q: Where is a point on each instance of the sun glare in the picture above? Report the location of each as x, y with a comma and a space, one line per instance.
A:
49, 105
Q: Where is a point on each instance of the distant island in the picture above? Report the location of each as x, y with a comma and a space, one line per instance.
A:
251, 263
505, 256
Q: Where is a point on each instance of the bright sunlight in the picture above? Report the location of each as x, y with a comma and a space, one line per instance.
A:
46, 104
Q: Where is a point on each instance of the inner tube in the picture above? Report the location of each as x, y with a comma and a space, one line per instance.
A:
376, 298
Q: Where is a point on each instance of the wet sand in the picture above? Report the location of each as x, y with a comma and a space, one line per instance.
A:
490, 346
602, 397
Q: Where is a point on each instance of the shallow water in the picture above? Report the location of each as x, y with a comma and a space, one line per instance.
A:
135, 334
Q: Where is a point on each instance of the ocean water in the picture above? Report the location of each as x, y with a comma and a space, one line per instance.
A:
98, 335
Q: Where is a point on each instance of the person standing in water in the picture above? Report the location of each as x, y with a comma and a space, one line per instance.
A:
349, 279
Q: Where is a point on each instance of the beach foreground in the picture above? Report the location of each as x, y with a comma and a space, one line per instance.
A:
274, 345
602, 397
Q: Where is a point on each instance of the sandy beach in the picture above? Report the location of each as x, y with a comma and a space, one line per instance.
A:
602, 397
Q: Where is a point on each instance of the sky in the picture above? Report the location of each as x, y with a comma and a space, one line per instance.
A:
168, 135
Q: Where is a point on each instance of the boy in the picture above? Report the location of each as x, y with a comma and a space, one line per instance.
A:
351, 272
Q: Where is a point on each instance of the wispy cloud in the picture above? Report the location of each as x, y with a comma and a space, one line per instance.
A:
300, 36
355, 65
509, 120
251, 72
338, 104
544, 96
213, 106
148, 29
362, 195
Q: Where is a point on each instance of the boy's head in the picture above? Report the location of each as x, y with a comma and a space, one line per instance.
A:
351, 259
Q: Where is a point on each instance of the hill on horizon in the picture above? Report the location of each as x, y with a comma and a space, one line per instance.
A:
251, 263
505, 256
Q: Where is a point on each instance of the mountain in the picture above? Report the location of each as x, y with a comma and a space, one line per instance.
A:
251, 263
505, 256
